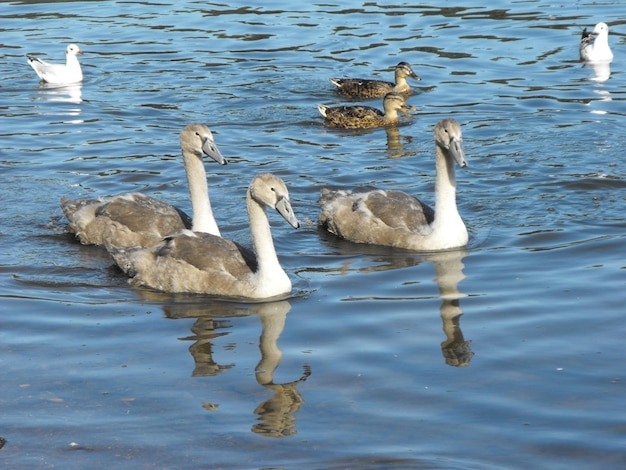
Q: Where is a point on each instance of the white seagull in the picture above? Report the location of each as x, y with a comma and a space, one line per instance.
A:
594, 46
59, 74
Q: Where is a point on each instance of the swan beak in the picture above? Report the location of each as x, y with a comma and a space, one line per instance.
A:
210, 149
456, 149
283, 206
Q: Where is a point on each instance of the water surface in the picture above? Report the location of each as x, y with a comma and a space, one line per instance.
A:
508, 354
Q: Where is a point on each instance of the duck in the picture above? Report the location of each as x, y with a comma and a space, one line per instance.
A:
369, 88
136, 219
201, 263
394, 218
594, 45
366, 117
59, 74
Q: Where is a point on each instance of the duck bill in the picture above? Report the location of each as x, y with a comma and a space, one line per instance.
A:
404, 110
210, 149
283, 206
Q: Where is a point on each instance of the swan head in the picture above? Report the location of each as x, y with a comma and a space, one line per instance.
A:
395, 102
448, 136
269, 190
404, 69
73, 49
197, 139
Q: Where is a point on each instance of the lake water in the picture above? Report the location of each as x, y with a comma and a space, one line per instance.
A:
369, 364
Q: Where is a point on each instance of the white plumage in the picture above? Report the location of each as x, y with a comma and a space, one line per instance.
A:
59, 74
594, 45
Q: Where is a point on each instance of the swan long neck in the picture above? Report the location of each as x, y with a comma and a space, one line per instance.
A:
262, 237
202, 214
445, 188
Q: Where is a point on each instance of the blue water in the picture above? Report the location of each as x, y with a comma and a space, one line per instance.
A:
508, 354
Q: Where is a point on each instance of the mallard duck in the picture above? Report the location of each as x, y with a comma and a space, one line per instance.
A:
59, 74
366, 117
368, 88
394, 218
135, 219
594, 46
200, 263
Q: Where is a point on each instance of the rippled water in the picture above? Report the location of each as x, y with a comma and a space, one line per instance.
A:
370, 364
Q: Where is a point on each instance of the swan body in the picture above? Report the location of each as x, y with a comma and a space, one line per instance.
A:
136, 219
369, 88
394, 218
366, 117
594, 45
201, 263
59, 74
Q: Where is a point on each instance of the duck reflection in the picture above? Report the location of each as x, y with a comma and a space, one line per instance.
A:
395, 146
276, 416
448, 273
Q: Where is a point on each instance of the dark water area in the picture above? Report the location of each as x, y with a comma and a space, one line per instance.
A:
507, 354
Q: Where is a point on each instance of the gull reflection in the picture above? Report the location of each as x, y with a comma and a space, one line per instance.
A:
448, 273
276, 416
60, 93
601, 70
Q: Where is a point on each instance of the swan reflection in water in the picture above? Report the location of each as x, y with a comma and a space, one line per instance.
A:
276, 416
448, 267
448, 273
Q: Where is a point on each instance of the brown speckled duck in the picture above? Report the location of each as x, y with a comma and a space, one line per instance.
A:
366, 117
368, 88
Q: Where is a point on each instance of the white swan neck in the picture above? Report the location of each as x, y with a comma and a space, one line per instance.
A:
202, 214
262, 238
446, 211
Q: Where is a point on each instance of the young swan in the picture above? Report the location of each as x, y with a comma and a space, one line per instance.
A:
205, 264
368, 88
594, 46
59, 74
366, 117
394, 218
135, 219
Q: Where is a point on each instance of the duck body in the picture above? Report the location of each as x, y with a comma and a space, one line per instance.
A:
594, 45
370, 88
59, 74
201, 263
366, 117
135, 219
394, 218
